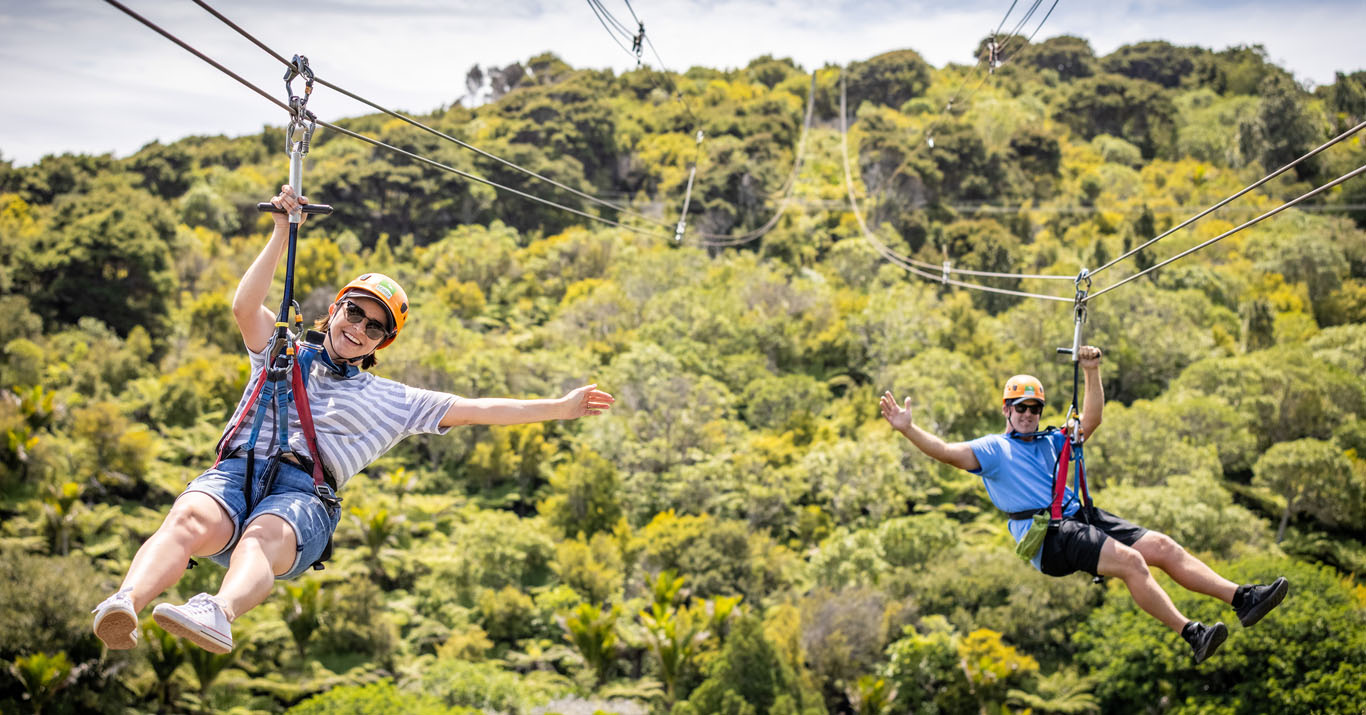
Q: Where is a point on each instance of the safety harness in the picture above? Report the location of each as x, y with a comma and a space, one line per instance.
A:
1071, 449
289, 360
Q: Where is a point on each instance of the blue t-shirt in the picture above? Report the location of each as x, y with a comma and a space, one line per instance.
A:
1018, 475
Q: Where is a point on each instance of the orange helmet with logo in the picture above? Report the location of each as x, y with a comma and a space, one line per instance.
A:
1022, 387
387, 291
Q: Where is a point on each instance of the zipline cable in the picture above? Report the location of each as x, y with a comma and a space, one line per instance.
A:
1355, 172
887, 253
1015, 31
584, 195
595, 7
1226, 201
340, 130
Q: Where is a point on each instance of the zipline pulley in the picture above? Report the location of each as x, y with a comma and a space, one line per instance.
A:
1072, 424
638, 43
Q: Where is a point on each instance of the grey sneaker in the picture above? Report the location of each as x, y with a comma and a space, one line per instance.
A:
201, 620
116, 623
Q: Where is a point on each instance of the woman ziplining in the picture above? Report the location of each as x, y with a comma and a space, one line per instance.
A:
267, 508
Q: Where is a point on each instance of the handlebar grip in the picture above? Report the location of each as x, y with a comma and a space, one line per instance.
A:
323, 209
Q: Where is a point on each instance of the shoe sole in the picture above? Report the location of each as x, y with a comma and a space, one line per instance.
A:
117, 629
1278, 591
1219, 634
171, 623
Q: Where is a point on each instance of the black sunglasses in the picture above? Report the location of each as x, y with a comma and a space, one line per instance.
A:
354, 314
1034, 409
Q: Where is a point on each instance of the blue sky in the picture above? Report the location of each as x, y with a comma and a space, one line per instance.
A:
79, 76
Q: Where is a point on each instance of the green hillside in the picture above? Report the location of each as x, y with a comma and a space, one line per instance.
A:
743, 533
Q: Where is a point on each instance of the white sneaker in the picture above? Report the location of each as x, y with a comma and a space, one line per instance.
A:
116, 623
201, 620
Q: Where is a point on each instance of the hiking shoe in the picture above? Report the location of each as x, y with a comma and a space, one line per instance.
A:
201, 620
1260, 599
116, 622
1204, 639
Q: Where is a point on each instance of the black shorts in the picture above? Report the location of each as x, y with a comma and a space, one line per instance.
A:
1074, 545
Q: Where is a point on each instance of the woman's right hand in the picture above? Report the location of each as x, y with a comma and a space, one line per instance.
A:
288, 201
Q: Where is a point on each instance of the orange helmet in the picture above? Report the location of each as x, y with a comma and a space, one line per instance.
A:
388, 292
1022, 387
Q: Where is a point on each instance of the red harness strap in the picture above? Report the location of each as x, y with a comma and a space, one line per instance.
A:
1060, 479
306, 422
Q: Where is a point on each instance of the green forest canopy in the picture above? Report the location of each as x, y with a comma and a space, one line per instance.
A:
742, 533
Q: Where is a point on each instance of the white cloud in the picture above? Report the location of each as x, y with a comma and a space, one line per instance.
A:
81, 76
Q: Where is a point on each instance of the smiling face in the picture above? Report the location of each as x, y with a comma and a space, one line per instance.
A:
349, 340
1023, 416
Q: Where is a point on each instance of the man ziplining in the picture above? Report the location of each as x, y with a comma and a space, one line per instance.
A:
1019, 466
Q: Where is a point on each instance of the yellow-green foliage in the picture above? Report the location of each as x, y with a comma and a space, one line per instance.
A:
742, 532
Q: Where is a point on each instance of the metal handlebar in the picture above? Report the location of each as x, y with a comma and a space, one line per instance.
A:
322, 209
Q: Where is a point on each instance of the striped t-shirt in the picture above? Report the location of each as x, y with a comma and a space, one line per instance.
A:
356, 419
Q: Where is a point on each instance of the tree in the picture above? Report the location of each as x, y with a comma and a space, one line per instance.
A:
748, 677
593, 633
1314, 478
1071, 57
1063, 692
1347, 96
673, 633
1307, 656
1283, 128
583, 498
1155, 61
107, 256
303, 608
1135, 110
889, 79
43, 676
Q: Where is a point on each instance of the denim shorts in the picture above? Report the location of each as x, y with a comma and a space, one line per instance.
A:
292, 498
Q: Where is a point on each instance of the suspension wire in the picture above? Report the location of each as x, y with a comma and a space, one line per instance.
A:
713, 240
581, 194
1355, 172
1041, 22
633, 13
597, 10
1226, 201
1015, 31
340, 130
201, 55
1006, 17
908, 264
488, 182
621, 26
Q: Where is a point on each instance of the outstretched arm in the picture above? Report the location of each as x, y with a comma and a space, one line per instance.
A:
1094, 403
586, 400
958, 454
255, 321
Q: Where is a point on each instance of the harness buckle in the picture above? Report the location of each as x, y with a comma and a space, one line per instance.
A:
328, 495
